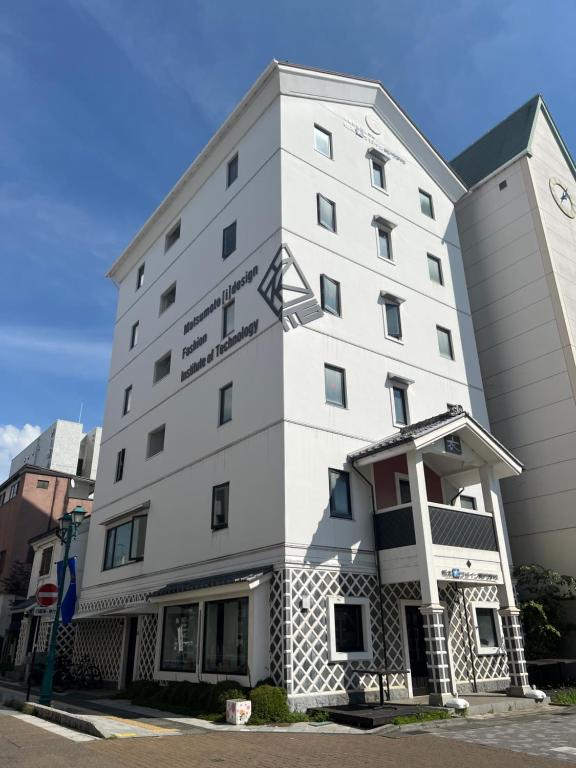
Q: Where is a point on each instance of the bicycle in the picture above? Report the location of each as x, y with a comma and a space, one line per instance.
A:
80, 674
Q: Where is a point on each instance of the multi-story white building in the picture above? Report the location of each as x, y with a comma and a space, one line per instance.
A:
63, 447
299, 295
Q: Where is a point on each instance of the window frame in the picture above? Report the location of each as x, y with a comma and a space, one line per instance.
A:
221, 395
225, 308
342, 371
230, 164
42, 484
112, 529
403, 388
134, 334
14, 488
448, 332
245, 599
340, 473
422, 193
375, 160
319, 197
473, 508
127, 400
323, 279
231, 227
169, 238
165, 356
333, 654
220, 526
140, 276
161, 428
399, 478
330, 142
382, 229
490, 650
164, 307
2, 498
162, 668
43, 569
438, 261
120, 462
388, 302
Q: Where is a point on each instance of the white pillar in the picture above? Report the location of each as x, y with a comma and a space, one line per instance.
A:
492, 504
422, 529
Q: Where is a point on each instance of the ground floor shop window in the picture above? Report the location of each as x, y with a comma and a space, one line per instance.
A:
180, 638
226, 637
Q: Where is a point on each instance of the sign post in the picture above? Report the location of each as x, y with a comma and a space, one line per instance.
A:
46, 596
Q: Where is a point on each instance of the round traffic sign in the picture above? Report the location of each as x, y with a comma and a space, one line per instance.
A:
47, 594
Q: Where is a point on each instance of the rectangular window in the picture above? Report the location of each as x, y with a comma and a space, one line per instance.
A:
349, 632
225, 405
168, 298
140, 277
393, 324
400, 405
2, 560
468, 502
404, 492
125, 542
330, 293
121, 456
156, 441
232, 171
323, 141
435, 269
134, 335
226, 637
42, 484
339, 485
326, 213
162, 367
486, 629
445, 342
2, 498
426, 205
46, 561
377, 173
228, 240
180, 638
228, 318
220, 496
384, 249
335, 385
127, 403
172, 236
14, 490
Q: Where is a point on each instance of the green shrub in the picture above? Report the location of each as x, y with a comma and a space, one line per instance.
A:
141, 690
226, 689
565, 696
269, 704
422, 717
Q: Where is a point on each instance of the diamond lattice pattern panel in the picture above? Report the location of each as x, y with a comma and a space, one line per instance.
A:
277, 628
101, 640
147, 646
391, 596
20, 655
306, 652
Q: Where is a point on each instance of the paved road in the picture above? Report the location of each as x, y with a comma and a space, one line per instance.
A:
552, 735
27, 745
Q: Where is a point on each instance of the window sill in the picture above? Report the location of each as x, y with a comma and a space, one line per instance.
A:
336, 657
341, 517
381, 189
216, 528
395, 340
490, 652
337, 405
153, 455
388, 261
123, 565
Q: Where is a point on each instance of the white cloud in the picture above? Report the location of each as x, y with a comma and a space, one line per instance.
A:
12, 441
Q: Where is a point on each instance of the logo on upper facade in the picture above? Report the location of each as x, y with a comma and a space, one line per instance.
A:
287, 292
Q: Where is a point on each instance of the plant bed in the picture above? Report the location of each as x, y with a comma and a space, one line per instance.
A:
563, 697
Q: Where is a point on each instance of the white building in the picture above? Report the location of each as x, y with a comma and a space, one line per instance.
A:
518, 231
63, 447
233, 533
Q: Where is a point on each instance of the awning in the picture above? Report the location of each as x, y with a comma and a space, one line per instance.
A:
132, 609
217, 580
23, 605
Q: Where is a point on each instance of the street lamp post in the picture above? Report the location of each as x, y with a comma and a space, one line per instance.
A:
69, 524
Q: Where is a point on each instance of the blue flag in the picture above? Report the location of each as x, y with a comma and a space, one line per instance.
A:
69, 602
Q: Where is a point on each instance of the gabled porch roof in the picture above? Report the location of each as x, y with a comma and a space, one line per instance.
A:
423, 433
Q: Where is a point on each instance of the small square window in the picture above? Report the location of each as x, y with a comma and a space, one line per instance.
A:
14, 490
120, 457
400, 405
326, 213
228, 318
335, 385
156, 441
426, 205
502, 185
46, 561
468, 502
42, 484
323, 141
393, 323
134, 335
377, 173
127, 403
168, 298
2, 498
330, 293
220, 496
339, 486
140, 276
172, 236
445, 342
232, 171
435, 269
228, 240
404, 492
162, 367
225, 405
384, 246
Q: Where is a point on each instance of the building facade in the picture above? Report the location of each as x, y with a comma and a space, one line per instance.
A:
299, 294
518, 232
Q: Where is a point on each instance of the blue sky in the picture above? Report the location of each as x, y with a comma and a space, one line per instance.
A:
106, 102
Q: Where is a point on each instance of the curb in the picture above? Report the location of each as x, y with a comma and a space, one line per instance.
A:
57, 716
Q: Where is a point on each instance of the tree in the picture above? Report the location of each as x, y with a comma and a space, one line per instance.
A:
543, 594
16, 583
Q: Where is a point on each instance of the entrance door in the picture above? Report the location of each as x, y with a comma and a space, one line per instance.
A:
131, 649
416, 650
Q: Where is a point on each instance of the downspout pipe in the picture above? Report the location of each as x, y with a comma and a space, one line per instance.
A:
378, 573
